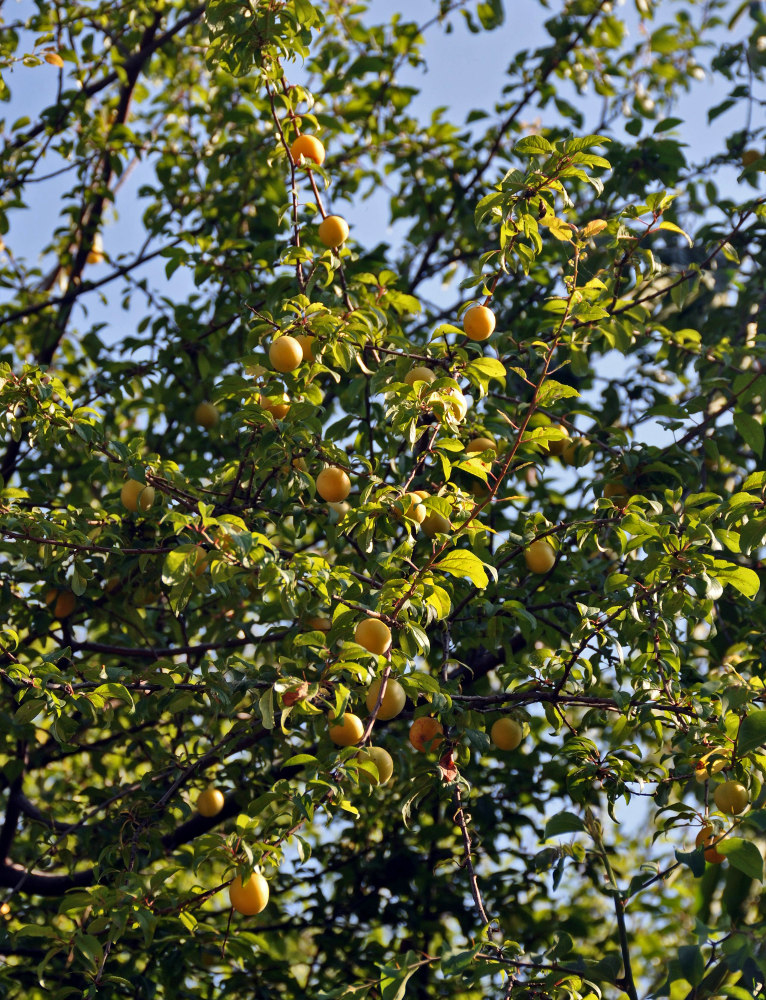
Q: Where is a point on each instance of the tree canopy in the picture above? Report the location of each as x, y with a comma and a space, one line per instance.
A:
402, 592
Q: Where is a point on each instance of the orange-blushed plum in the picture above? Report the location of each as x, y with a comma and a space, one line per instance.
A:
333, 231
308, 147
478, 323
426, 733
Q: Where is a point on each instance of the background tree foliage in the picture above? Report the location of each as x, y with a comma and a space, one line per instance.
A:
145, 655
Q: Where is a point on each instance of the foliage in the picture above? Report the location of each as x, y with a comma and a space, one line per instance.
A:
194, 651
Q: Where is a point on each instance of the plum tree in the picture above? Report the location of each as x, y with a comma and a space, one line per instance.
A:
502, 451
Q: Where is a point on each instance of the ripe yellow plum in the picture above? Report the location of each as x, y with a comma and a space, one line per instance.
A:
420, 374
540, 556
506, 733
341, 508
478, 323
706, 837
134, 495
413, 508
251, 897
285, 354
731, 797
61, 602
452, 402
308, 347
277, 406
206, 415
480, 444
96, 252
426, 733
333, 231
435, 523
347, 731
374, 635
616, 491
333, 484
393, 698
210, 802
383, 762
320, 623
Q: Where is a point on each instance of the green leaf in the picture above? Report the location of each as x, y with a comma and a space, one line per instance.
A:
757, 817
300, 758
752, 732
490, 368
29, 710
456, 961
266, 708
89, 946
756, 481
692, 963
745, 580
743, 855
751, 430
533, 144
38, 930
551, 390
563, 822
461, 562
692, 859
676, 229
735, 992
117, 691
393, 981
